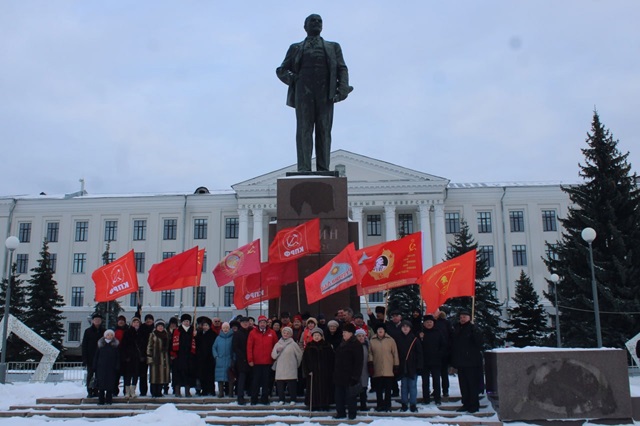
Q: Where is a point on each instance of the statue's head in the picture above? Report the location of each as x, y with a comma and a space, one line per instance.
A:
313, 25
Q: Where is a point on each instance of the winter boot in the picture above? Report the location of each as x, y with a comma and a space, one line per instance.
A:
413, 408
187, 391
220, 389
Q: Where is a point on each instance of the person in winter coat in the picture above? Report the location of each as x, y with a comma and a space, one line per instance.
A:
411, 362
361, 335
288, 357
306, 334
347, 372
89, 347
106, 364
130, 358
146, 328
443, 324
158, 358
432, 350
466, 356
259, 346
317, 368
297, 328
383, 364
183, 354
204, 357
223, 354
241, 365
121, 327
334, 335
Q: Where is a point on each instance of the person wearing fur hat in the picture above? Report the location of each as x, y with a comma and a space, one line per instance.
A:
383, 363
106, 364
204, 357
157, 352
433, 348
259, 346
347, 372
183, 354
89, 347
317, 369
306, 334
333, 335
287, 356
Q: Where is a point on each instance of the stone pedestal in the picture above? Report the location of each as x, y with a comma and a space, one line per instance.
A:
302, 198
558, 384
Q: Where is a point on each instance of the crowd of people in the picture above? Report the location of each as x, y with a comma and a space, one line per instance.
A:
319, 361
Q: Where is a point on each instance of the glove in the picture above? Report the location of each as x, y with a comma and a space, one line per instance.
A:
396, 370
370, 368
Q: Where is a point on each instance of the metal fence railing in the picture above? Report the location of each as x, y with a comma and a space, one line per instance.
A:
61, 371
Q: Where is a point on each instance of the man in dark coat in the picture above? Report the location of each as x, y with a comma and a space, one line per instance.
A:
146, 328
130, 356
467, 358
446, 329
411, 363
183, 353
89, 347
347, 373
204, 355
317, 76
394, 330
241, 367
432, 350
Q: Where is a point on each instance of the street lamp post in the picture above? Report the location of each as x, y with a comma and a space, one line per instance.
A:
554, 279
589, 234
11, 244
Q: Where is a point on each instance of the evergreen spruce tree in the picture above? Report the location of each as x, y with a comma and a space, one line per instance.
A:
528, 322
487, 306
44, 315
108, 310
609, 202
15, 345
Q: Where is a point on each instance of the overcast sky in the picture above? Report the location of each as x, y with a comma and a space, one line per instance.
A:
159, 96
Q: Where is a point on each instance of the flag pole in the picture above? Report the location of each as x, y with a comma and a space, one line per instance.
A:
298, 292
473, 308
260, 291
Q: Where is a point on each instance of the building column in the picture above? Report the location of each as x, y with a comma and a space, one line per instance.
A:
425, 227
243, 231
440, 237
258, 215
356, 216
390, 222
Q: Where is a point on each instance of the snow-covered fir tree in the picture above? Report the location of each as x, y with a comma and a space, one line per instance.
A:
15, 345
528, 321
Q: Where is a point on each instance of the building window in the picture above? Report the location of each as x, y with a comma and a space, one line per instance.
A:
133, 299
53, 228
167, 298
53, 262
82, 230
24, 232
486, 254
170, 229
484, 222
139, 230
139, 257
519, 255
79, 260
204, 262
374, 225
199, 296
228, 295
22, 263
516, 220
73, 332
110, 230
405, 223
452, 223
231, 228
110, 257
168, 254
200, 229
549, 222
552, 251
377, 297
77, 296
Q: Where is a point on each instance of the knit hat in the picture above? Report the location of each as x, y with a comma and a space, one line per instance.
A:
313, 320
96, 315
349, 327
285, 315
289, 329
317, 330
262, 318
173, 320
361, 331
244, 319
333, 322
429, 318
406, 323
297, 317
380, 325
185, 317
321, 317
159, 322
135, 319
148, 317
109, 331
358, 315
122, 317
464, 312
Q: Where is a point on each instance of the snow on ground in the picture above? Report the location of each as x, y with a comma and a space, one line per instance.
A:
168, 414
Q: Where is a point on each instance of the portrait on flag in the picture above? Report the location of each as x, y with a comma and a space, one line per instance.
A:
293, 243
116, 279
244, 260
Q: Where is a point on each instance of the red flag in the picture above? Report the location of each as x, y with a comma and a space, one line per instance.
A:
116, 279
391, 264
338, 274
244, 260
294, 243
266, 285
454, 278
180, 271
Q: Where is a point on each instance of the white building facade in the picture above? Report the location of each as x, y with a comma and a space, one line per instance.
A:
510, 222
